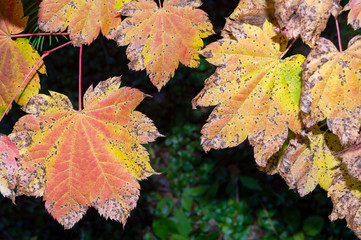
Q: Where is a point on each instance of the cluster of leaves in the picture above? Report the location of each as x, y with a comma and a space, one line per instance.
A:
275, 102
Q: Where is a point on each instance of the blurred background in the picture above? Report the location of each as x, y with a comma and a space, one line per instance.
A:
215, 195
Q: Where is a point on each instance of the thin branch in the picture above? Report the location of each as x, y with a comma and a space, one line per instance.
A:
288, 48
46, 53
160, 4
338, 35
80, 54
36, 34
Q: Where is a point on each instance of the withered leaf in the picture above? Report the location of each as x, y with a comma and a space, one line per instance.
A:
8, 167
351, 158
254, 12
308, 162
305, 18
332, 88
345, 193
354, 16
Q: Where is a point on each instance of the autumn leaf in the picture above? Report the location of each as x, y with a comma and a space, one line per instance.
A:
160, 38
253, 12
308, 162
351, 159
345, 193
77, 159
84, 19
305, 18
354, 16
256, 93
18, 57
8, 167
332, 88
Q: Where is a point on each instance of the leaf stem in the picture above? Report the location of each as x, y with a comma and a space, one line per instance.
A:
288, 48
160, 4
80, 54
46, 53
36, 34
338, 35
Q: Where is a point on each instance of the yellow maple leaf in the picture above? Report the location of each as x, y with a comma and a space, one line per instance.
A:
160, 38
332, 88
308, 162
77, 159
256, 93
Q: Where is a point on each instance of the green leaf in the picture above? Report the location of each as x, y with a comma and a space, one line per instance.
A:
250, 183
184, 224
163, 226
313, 225
165, 206
177, 237
186, 202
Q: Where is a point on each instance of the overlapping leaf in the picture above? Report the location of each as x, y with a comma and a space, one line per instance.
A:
254, 12
345, 193
351, 158
354, 16
8, 167
77, 159
305, 18
84, 19
160, 38
332, 88
18, 57
306, 163
256, 93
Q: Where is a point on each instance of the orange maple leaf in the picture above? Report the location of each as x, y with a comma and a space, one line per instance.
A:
332, 88
84, 19
8, 167
17, 57
160, 38
77, 159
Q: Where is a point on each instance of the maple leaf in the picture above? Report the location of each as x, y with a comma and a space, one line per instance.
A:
84, 19
8, 167
332, 88
305, 18
308, 162
17, 57
77, 159
351, 159
160, 38
354, 16
256, 93
253, 12
345, 193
